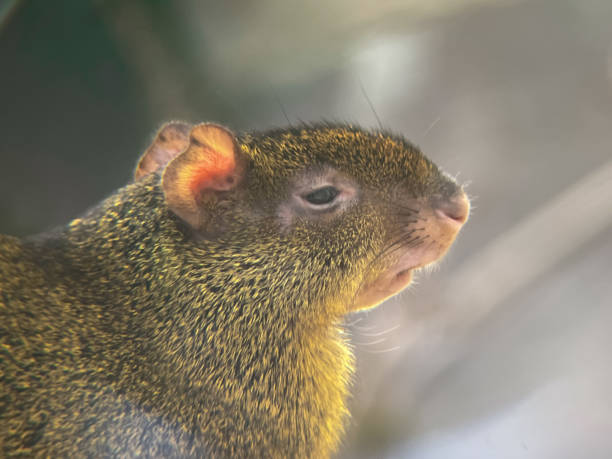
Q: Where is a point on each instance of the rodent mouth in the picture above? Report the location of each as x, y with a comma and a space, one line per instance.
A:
403, 277
404, 272
394, 279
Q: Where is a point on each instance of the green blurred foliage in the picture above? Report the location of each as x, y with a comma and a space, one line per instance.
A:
75, 99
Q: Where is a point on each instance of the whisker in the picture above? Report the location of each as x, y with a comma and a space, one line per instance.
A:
406, 208
431, 126
407, 242
363, 91
354, 322
405, 239
405, 213
384, 332
382, 351
378, 341
282, 107
417, 243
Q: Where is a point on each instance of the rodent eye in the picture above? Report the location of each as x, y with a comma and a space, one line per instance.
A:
322, 196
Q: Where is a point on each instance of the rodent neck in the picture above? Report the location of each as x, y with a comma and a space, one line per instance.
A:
207, 320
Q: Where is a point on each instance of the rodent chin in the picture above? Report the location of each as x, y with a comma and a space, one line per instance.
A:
389, 283
384, 287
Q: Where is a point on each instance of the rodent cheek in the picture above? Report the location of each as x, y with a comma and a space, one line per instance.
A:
426, 240
284, 215
287, 211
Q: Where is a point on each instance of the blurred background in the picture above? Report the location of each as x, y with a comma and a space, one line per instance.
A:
505, 350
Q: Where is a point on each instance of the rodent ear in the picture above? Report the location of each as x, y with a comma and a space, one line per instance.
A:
211, 164
171, 140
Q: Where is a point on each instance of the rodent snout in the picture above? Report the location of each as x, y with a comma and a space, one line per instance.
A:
455, 207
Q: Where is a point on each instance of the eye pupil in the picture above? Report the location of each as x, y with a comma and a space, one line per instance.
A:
322, 195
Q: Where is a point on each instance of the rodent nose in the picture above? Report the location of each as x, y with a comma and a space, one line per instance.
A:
456, 207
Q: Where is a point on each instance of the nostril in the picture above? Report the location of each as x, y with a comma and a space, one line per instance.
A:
457, 207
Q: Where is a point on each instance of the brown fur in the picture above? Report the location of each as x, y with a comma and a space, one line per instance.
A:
128, 333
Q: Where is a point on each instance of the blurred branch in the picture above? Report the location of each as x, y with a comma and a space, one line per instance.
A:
147, 53
7, 8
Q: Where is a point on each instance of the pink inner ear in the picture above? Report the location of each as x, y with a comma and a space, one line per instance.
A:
216, 174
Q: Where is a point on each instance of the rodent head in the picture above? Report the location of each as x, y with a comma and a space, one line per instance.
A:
360, 209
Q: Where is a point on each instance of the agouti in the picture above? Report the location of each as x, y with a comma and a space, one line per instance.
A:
197, 312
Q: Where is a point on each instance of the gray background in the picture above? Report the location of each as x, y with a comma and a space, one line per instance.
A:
502, 351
